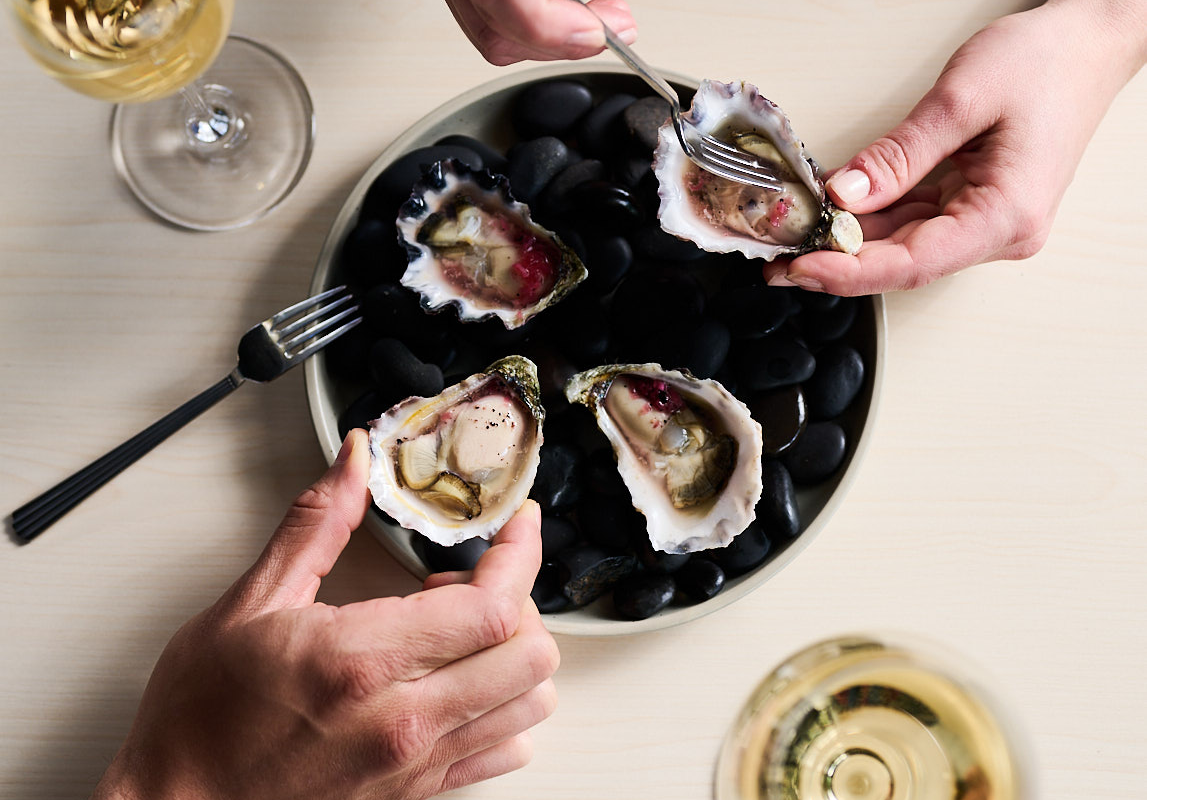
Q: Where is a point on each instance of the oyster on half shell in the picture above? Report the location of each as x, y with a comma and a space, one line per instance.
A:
460, 464
723, 216
688, 451
478, 248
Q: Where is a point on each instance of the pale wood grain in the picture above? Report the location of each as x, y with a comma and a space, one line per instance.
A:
1000, 509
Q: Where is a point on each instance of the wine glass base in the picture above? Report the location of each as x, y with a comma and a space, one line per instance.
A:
229, 174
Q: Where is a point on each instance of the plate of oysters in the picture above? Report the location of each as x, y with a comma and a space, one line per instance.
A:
559, 305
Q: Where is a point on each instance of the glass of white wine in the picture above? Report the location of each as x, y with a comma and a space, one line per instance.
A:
211, 131
872, 718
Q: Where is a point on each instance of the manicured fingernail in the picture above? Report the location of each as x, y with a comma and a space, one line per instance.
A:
850, 186
806, 282
780, 280
628, 36
591, 38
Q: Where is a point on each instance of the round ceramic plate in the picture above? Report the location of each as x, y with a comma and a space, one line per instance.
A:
483, 113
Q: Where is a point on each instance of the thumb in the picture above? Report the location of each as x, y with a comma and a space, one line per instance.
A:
313, 533
893, 164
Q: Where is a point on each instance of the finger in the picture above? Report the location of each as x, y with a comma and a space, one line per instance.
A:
500, 759
313, 533
556, 29
883, 224
501, 723
917, 254
450, 578
885, 170
409, 637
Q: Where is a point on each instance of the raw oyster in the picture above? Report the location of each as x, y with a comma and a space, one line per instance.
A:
723, 216
478, 248
460, 464
688, 450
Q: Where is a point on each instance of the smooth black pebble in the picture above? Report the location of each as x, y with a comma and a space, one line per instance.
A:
832, 323
395, 184
492, 160
602, 131
642, 595
588, 572
835, 382
609, 522
817, 454
782, 414
547, 592
700, 579
367, 406
558, 533
558, 484
752, 312
644, 117
747, 550
550, 108
398, 372
777, 360
462, 556
777, 509
372, 253
532, 165
609, 257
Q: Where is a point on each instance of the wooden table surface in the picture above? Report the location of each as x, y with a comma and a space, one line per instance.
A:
1000, 509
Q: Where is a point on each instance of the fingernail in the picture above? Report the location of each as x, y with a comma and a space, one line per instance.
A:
780, 280
628, 36
807, 282
850, 186
593, 39
347, 448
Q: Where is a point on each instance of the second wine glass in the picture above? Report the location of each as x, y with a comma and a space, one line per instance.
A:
211, 153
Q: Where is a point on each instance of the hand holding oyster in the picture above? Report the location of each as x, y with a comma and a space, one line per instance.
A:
722, 216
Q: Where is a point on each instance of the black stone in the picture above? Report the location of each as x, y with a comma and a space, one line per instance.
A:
658, 561
782, 414
602, 130
609, 257
608, 524
754, 311
492, 160
656, 300
367, 406
550, 108
588, 572
555, 195
346, 357
700, 579
547, 590
397, 372
836, 381
778, 510
777, 360
559, 480
604, 205
817, 454
395, 184
827, 325
644, 117
815, 301
392, 310
642, 595
372, 253
701, 350
462, 556
631, 171
492, 338
651, 241
603, 478
558, 533
576, 424
532, 165
580, 328
747, 550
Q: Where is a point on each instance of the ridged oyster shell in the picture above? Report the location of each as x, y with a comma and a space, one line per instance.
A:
723, 216
688, 451
460, 464
478, 248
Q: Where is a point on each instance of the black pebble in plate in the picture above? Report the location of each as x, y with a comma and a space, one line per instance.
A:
584, 169
462, 556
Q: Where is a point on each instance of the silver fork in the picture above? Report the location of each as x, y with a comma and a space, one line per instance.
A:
265, 352
708, 153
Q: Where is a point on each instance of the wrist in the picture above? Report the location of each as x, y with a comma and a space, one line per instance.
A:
1117, 28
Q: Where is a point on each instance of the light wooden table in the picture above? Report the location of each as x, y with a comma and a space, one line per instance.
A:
1000, 509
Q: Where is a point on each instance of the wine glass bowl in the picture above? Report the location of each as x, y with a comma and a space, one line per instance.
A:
871, 718
211, 131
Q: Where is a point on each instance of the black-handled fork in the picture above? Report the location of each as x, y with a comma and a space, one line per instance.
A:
265, 352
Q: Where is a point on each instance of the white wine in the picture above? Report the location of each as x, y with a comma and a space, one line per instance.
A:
859, 719
123, 51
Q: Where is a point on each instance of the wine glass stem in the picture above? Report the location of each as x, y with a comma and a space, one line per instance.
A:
211, 126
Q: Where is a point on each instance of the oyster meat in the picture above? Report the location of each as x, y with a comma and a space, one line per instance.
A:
460, 464
476, 247
723, 216
687, 449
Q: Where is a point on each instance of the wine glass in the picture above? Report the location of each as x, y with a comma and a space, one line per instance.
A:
872, 718
207, 153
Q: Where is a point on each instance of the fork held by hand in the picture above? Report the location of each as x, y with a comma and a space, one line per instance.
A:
707, 152
265, 352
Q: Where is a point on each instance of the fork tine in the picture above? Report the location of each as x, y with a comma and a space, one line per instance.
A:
740, 176
306, 335
740, 163
316, 345
304, 305
717, 144
313, 316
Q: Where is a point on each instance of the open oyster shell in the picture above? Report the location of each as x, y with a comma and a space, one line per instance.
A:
688, 451
723, 216
460, 464
478, 248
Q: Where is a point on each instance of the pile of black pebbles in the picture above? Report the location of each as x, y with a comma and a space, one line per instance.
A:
582, 163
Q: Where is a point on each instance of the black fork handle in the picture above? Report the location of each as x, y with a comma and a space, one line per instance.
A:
43, 511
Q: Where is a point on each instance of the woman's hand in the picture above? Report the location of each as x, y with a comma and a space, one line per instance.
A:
1012, 111
269, 694
507, 31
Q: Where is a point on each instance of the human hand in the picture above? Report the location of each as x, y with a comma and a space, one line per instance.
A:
269, 694
1013, 111
507, 31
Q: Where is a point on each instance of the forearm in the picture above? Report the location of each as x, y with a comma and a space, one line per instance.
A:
1118, 29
